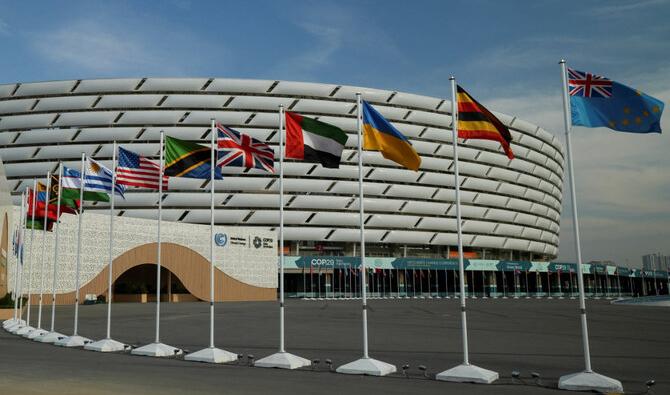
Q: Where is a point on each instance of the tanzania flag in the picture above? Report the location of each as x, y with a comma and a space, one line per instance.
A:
313, 141
186, 159
380, 135
476, 122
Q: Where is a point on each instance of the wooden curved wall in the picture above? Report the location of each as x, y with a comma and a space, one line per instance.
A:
191, 268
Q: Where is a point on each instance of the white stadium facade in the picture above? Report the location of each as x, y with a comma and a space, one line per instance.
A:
511, 208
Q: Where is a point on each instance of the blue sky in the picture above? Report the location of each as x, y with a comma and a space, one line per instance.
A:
504, 53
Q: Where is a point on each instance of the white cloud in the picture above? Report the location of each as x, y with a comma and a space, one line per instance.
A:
623, 9
94, 47
4, 28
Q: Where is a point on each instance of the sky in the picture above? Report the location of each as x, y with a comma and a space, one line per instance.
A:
505, 53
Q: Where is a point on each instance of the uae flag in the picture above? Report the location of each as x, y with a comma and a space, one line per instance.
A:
313, 141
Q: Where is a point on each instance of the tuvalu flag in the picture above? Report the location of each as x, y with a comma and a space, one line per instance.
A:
187, 159
380, 135
476, 122
314, 141
596, 101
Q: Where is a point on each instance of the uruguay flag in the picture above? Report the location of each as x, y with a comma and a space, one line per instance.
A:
596, 101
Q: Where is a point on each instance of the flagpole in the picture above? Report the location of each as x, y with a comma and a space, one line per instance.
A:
282, 359
75, 340
17, 248
22, 239
586, 380
108, 344
44, 247
365, 365
158, 349
81, 214
32, 256
52, 336
464, 372
281, 230
211, 233
110, 291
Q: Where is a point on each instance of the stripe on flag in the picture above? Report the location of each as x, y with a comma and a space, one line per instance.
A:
137, 171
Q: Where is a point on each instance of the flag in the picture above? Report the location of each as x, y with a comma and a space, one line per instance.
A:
596, 101
380, 135
38, 224
476, 122
38, 209
186, 159
241, 150
98, 180
137, 171
314, 141
68, 204
94, 185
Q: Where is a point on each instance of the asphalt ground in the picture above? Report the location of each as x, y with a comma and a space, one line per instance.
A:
628, 342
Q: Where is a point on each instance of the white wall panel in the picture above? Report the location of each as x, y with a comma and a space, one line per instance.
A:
410, 191
303, 89
79, 119
173, 84
13, 106
313, 107
378, 205
26, 121
430, 208
254, 103
239, 85
7, 89
128, 101
65, 103
488, 241
40, 137
335, 219
353, 235
107, 85
412, 100
474, 226
150, 117
439, 224
195, 101
392, 221
44, 88
408, 237
320, 202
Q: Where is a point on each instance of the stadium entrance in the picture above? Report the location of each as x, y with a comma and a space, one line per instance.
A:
138, 284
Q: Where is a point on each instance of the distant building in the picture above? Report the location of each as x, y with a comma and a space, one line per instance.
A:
656, 262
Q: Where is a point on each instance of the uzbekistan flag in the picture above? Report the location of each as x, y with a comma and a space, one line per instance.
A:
186, 159
72, 185
314, 141
380, 135
476, 122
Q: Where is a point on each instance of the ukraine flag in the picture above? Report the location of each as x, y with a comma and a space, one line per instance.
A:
380, 135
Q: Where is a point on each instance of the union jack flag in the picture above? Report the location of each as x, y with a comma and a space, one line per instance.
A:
241, 150
588, 85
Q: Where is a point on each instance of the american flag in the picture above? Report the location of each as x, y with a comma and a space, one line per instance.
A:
137, 171
588, 85
241, 150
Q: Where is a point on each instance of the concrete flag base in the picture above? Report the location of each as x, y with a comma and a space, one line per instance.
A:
24, 330
36, 333
105, 345
157, 350
73, 341
589, 381
211, 355
283, 360
49, 337
468, 374
367, 366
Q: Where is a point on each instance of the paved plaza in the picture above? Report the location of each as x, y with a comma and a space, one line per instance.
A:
628, 342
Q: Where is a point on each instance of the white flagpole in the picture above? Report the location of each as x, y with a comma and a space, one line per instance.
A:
22, 230
365, 365
158, 243
110, 291
212, 354
40, 331
212, 189
464, 372
32, 256
282, 359
108, 344
158, 349
588, 379
52, 336
75, 340
18, 267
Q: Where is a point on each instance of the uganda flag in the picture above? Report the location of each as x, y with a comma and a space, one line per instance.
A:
314, 141
186, 159
476, 122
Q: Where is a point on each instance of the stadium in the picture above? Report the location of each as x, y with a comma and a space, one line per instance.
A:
511, 208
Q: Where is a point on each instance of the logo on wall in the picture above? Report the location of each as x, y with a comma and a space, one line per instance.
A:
221, 239
258, 242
